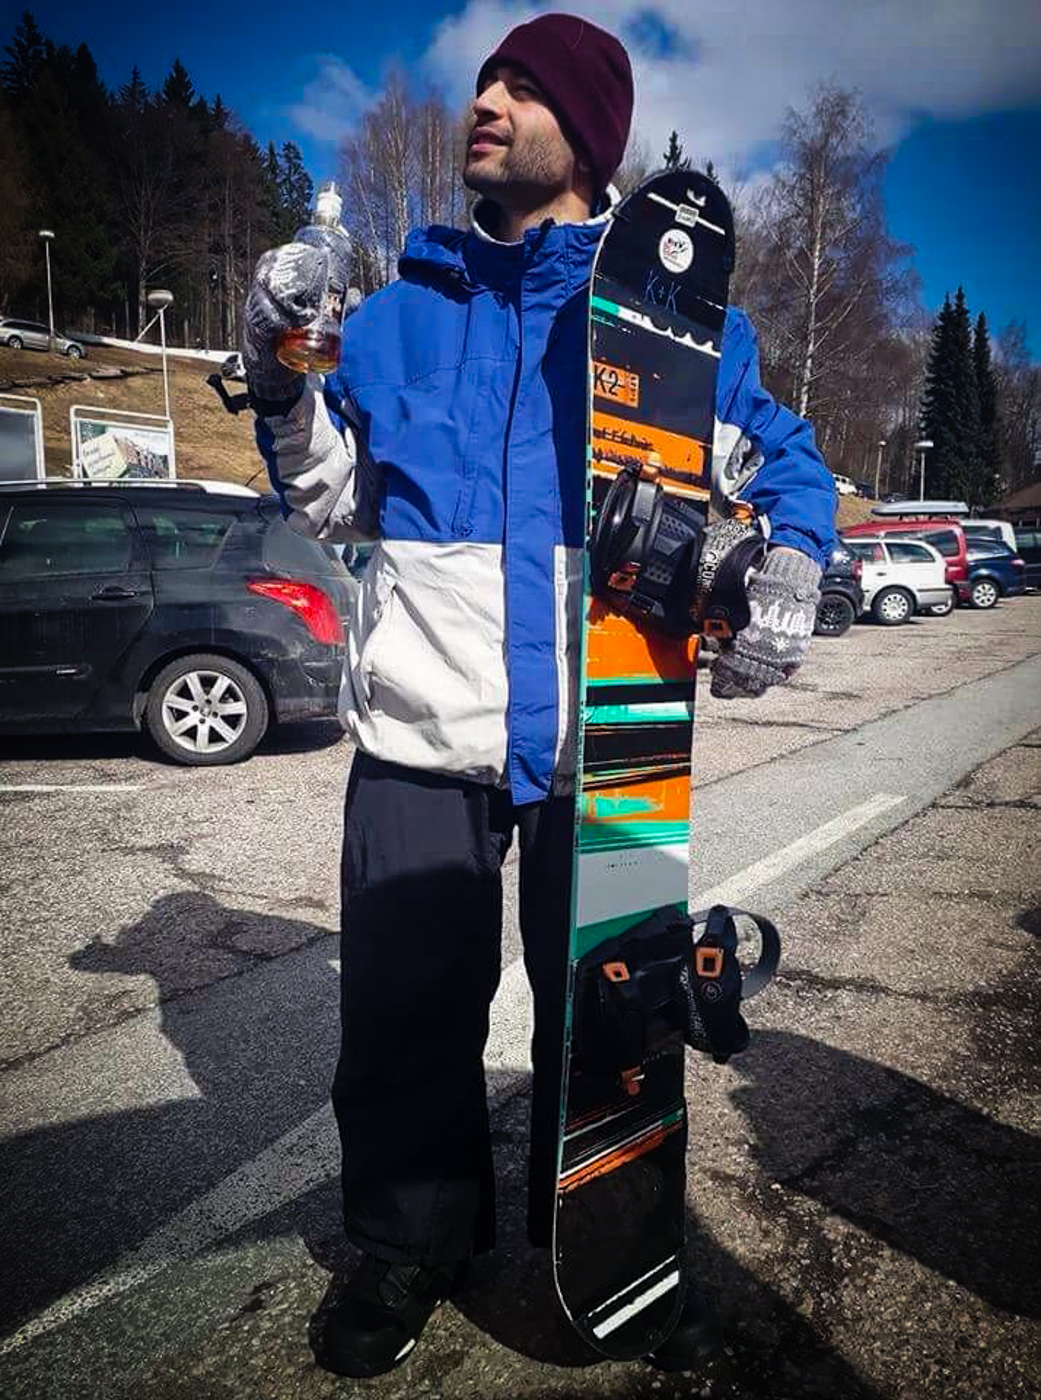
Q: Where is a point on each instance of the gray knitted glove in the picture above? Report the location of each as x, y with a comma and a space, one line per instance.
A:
288, 286
783, 598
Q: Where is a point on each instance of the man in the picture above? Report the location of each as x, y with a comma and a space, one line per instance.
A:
454, 431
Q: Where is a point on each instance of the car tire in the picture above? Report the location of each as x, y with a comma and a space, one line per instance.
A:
74, 352
192, 684
984, 593
942, 609
835, 615
15, 342
892, 607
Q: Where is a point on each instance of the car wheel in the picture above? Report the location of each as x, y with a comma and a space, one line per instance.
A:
14, 342
204, 710
942, 609
835, 615
74, 352
985, 593
892, 606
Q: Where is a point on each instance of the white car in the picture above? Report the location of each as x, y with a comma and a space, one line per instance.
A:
844, 486
900, 578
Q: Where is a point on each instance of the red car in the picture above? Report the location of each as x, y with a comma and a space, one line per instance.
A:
945, 535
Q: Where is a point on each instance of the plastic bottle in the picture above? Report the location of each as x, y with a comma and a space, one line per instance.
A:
316, 347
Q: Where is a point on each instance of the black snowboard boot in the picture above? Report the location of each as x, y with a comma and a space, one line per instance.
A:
378, 1319
696, 1340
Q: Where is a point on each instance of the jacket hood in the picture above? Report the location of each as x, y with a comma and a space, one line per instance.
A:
472, 259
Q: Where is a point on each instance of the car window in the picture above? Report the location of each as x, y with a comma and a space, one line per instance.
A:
946, 541
983, 532
285, 551
904, 552
182, 539
52, 539
984, 549
1027, 539
868, 550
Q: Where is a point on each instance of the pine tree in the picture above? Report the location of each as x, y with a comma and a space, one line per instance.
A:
964, 463
26, 53
710, 171
674, 158
133, 94
951, 412
178, 89
984, 486
296, 189
938, 406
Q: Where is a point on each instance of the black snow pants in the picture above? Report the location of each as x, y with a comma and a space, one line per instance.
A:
421, 934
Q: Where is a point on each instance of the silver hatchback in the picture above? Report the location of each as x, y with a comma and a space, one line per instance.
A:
34, 335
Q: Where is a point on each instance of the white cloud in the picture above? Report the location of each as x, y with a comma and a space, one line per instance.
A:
332, 101
743, 62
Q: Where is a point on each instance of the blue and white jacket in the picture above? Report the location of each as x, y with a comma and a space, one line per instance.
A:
468, 380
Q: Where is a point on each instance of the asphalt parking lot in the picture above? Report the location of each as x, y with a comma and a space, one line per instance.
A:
862, 1182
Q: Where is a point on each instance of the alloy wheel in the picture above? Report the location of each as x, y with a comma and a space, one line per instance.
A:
204, 711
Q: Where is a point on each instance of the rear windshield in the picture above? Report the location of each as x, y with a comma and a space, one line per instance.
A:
285, 551
946, 541
983, 532
182, 538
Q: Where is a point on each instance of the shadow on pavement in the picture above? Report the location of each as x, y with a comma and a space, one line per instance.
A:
914, 1169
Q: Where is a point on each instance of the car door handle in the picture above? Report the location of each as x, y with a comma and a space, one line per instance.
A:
113, 593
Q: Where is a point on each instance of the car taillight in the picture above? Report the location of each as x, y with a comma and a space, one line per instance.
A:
1017, 563
858, 569
313, 607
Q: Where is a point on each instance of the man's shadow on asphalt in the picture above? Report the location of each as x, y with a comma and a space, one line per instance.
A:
913, 1169
81, 1194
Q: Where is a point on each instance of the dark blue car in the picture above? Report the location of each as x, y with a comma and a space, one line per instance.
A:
994, 572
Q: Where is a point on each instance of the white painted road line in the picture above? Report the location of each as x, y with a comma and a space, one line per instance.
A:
737, 889
309, 1154
70, 787
299, 1161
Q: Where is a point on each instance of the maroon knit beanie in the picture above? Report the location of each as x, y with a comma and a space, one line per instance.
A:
585, 74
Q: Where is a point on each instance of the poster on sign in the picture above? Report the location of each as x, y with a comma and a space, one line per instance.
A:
21, 438
128, 447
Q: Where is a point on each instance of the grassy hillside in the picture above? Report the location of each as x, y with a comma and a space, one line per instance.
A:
210, 442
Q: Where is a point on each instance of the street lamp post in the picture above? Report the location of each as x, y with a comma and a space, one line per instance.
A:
878, 465
922, 445
161, 299
47, 235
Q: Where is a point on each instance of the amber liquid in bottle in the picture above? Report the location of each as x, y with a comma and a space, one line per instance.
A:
316, 348
310, 350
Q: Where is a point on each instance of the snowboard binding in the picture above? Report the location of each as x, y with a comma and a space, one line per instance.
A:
660, 977
654, 558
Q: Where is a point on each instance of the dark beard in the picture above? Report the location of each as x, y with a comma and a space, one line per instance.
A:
527, 176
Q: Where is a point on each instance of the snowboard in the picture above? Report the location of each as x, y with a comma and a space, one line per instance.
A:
658, 297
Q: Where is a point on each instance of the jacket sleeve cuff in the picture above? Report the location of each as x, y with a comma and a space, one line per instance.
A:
793, 538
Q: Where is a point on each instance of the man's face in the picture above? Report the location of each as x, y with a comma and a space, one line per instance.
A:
516, 152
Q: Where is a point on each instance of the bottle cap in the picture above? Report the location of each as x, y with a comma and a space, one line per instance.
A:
329, 206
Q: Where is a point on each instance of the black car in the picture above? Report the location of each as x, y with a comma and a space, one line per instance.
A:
191, 611
994, 572
842, 598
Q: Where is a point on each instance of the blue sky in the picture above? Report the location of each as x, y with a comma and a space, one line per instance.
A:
955, 92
